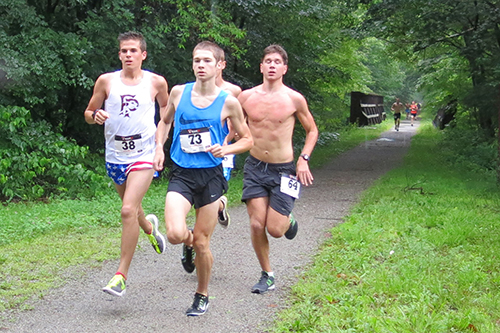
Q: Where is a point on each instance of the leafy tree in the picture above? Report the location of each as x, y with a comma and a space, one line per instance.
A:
433, 28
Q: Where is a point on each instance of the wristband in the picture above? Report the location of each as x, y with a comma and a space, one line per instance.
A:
94, 113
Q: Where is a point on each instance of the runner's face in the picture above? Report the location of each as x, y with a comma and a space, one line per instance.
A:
204, 65
130, 54
272, 67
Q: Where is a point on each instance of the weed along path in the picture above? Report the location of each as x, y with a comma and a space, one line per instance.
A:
159, 291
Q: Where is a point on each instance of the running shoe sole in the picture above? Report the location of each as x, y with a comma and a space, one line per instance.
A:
155, 235
223, 217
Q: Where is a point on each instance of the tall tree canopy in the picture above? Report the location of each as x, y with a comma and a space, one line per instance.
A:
456, 41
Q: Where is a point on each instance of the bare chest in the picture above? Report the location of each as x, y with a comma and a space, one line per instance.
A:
269, 109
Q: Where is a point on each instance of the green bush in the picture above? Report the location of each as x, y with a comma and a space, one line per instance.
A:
470, 147
37, 162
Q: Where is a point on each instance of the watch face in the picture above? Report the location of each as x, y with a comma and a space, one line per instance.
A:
305, 156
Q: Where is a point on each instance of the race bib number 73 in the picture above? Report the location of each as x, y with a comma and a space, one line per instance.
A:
195, 140
290, 185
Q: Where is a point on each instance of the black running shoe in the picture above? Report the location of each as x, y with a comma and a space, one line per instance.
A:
294, 227
187, 260
199, 307
265, 284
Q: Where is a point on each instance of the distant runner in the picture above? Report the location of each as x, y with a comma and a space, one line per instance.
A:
413, 111
396, 108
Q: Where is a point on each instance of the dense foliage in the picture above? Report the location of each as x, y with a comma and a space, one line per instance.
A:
48, 166
54, 51
457, 45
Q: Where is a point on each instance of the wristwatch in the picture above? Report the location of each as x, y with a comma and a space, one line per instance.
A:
305, 157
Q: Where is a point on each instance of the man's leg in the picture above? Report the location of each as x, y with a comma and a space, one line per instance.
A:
257, 209
176, 209
277, 224
203, 230
132, 192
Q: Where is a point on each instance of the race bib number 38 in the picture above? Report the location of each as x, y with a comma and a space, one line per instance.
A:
195, 140
128, 145
290, 185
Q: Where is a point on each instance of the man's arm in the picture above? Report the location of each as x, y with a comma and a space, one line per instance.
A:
93, 113
167, 118
161, 87
232, 109
306, 119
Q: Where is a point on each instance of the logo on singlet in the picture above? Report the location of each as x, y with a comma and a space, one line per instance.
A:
129, 104
185, 121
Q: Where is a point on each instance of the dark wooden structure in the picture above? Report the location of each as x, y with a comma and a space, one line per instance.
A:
366, 109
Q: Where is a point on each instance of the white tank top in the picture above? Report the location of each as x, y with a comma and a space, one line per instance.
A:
130, 129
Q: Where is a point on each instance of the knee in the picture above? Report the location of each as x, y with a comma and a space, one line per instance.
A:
175, 236
128, 212
257, 227
275, 231
201, 245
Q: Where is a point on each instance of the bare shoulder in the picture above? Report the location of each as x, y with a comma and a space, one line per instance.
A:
176, 91
104, 78
297, 98
158, 79
232, 102
231, 88
245, 94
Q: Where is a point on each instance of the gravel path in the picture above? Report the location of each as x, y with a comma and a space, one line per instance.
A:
159, 291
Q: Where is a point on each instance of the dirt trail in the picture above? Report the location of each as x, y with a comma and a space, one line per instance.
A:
159, 291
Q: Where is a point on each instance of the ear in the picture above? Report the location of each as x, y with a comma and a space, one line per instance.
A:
223, 64
144, 55
261, 68
285, 69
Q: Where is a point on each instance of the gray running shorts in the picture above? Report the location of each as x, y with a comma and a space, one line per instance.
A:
262, 179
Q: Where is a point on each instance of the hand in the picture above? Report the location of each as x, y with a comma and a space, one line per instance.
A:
159, 160
216, 150
303, 173
100, 116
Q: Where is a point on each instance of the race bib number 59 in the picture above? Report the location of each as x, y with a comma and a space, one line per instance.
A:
290, 185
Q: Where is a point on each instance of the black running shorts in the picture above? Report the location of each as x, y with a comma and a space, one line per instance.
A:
199, 186
262, 179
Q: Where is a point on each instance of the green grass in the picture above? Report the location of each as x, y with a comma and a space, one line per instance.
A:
419, 253
40, 241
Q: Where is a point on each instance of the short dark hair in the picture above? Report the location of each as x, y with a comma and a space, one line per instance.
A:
275, 48
217, 51
135, 36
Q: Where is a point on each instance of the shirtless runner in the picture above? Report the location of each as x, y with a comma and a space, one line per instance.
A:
271, 109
